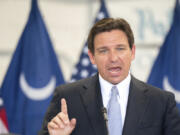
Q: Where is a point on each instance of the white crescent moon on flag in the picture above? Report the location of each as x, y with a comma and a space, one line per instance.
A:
37, 93
168, 87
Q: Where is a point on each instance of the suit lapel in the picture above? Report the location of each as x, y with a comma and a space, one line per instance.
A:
92, 100
137, 104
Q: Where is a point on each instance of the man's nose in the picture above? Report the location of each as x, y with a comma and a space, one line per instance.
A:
113, 56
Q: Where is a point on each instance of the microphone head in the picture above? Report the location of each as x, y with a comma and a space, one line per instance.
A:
104, 110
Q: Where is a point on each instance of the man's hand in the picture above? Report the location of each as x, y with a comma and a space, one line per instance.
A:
60, 124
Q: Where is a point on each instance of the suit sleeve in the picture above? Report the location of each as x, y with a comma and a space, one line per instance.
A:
52, 111
172, 118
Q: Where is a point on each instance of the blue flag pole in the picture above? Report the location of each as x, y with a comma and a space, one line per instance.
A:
165, 72
84, 68
31, 78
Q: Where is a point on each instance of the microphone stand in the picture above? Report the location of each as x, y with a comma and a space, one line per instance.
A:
104, 111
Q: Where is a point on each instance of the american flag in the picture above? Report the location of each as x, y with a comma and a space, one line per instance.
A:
3, 118
84, 68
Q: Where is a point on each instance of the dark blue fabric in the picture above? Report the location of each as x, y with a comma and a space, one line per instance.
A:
165, 72
34, 58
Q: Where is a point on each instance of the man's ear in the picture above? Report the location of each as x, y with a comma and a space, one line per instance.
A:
133, 50
91, 57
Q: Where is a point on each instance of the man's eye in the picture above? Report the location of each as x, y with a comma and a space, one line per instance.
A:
120, 48
102, 51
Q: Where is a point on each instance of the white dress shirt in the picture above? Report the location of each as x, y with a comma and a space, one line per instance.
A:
123, 89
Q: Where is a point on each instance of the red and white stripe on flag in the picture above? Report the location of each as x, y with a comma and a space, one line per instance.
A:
3, 119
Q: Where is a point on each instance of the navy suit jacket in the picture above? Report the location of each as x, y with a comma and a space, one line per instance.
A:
150, 110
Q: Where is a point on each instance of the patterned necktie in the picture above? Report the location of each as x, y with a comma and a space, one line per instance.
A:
114, 113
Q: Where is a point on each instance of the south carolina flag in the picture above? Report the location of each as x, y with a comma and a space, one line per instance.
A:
165, 73
31, 78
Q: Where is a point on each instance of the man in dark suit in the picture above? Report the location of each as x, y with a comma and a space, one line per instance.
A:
78, 108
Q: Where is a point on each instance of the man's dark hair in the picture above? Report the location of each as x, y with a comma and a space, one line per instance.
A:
108, 24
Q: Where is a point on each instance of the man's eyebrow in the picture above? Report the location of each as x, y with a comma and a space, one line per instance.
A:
120, 45
105, 47
102, 47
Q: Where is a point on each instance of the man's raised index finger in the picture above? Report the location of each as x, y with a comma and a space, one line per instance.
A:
63, 106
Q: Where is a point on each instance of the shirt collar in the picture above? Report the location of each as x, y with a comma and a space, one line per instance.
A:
123, 88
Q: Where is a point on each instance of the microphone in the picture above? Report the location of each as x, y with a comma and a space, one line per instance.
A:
104, 111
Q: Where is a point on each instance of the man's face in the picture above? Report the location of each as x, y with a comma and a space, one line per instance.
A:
112, 55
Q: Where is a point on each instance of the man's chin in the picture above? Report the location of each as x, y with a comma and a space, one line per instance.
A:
115, 80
